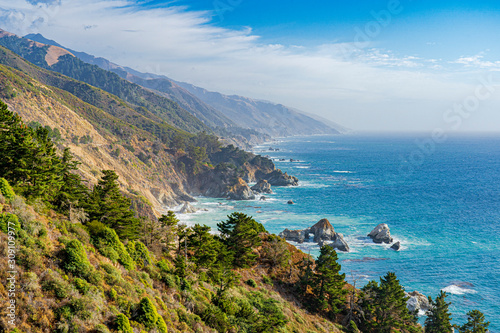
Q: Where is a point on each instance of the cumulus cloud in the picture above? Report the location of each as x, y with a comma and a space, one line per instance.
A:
364, 88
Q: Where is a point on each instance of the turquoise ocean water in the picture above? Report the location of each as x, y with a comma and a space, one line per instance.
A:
442, 201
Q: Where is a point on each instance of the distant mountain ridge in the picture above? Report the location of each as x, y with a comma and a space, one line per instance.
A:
215, 109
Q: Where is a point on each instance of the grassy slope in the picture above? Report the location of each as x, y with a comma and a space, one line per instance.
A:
51, 300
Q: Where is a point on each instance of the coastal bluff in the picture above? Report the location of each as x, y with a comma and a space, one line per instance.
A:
322, 233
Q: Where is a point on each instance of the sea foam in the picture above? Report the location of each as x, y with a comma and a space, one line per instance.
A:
456, 290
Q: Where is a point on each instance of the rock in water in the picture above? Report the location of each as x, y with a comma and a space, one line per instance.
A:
396, 246
262, 187
240, 191
278, 178
290, 202
381, 234
323, 230
263, 198
417, 301
187, 209
293, 235
339, 243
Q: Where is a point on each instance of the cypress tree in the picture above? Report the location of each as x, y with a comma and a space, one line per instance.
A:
384, 307
202, 245
475, 323
438, 317
72, 191
240, 233
329, 283
109, 206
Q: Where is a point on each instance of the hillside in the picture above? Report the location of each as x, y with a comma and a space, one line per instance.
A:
231, 112
270, 118
138, 98
154, 159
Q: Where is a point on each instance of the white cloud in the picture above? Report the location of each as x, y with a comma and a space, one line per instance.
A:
360, 88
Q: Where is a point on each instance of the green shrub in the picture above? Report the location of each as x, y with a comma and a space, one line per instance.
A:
9, 220
112, 276
100, 328
81, 285
6, 189
123, 324
267, 280
29, 257
112, 294
251, 283
139, 252
105, 239
146, 313
216, 319
75, 259
160, 323
55, 283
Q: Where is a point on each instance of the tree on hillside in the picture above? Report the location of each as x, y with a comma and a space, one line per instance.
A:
109, 206
384, 307
28, 157
438, 317
475, 323
168, 225
328, 285
72, 191
203, 246
240, 233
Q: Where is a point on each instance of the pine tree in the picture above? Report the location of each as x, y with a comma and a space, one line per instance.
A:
72, 191
240, 233
168, 225
28, 157
202, 245
107, 205
384, 307
475, 323
328, 282
438, 317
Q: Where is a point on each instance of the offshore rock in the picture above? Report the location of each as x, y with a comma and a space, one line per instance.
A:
293, 235
240, 191
323, 233
396, 246
290, 202
187, 209
278, 178
262, 186
323, 230
417, 302
381, 234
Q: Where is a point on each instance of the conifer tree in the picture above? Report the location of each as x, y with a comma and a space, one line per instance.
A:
203, 246
240, 233
475, 323
72, 191
109, 206
438, 317
384, 307
168, 225
328, 282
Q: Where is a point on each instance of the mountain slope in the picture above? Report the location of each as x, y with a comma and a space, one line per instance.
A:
216, 109
142, 100
270, 118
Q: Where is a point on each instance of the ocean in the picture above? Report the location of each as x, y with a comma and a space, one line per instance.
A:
441, 200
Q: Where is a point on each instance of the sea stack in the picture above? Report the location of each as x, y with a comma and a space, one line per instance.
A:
262, 187
381, 234
323, 234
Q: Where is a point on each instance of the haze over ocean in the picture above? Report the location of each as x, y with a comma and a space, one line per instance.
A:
446, 213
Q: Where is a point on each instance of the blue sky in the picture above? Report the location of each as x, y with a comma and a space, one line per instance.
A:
370, 65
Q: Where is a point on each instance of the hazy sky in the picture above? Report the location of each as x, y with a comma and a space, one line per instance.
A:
368, 65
